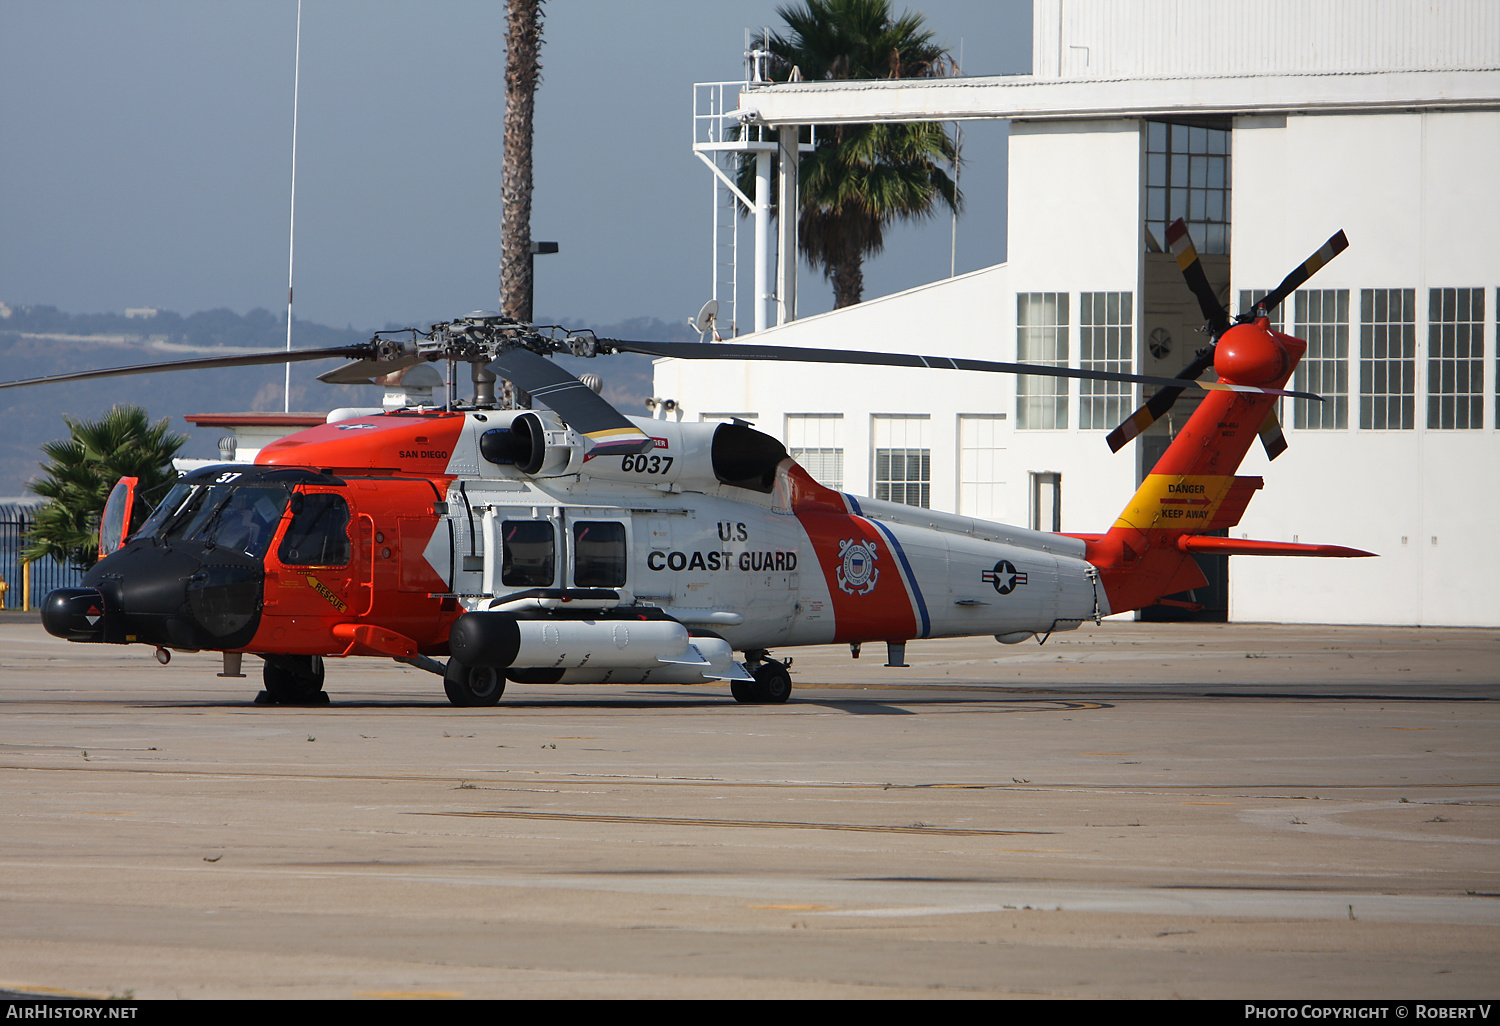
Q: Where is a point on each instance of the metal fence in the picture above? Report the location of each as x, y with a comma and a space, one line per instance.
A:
46, 574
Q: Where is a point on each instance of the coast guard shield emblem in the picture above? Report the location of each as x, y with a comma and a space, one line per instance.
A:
857, 572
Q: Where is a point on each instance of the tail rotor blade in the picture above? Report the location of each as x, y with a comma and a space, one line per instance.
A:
1271, 437
1181, 245
1292, 282
573, 401
1143, 418
1157, 406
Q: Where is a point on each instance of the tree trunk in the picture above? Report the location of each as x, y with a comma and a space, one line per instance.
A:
523, 47
848, 279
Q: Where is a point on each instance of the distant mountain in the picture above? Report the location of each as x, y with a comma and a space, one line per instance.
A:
36, 341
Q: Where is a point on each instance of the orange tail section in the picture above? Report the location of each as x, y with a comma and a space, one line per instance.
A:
1193, 489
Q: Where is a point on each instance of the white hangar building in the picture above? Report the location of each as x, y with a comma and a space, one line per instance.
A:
1269, 124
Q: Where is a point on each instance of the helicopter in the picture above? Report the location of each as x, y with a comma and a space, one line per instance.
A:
491, 543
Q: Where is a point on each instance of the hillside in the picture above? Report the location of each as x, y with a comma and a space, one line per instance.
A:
40, 340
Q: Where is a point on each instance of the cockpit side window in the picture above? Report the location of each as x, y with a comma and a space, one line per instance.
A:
318, 534
165, 509
598, 554
529, 554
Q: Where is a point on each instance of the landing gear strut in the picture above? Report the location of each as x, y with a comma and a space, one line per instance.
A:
772, 684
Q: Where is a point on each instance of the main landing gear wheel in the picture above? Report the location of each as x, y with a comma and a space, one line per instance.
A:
293, 680
772, 684
470, 686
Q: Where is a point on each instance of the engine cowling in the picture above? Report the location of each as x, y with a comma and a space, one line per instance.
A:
536, 444
697, 457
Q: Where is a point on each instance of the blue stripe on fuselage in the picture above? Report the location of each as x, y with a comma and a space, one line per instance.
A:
911, 578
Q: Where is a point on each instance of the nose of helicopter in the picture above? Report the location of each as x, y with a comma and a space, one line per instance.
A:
179, 597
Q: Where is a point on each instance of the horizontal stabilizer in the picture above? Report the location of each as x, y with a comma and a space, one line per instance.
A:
1232, 507
1209, 546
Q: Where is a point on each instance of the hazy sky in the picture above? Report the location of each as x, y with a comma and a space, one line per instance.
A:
145, 155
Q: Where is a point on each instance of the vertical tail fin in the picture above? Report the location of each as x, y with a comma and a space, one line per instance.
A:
1193, 487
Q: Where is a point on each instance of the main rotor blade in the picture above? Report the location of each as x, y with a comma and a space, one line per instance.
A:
366, 372
207, 363
1157, 406
793, 354
1181, 245
577, 404
1311, 266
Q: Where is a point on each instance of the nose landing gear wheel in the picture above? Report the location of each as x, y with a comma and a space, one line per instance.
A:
292, 680
473, 686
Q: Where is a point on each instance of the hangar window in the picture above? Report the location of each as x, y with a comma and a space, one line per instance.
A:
903, 460
1455, 358
1277, 317
815, 441
1387, 358
981, 465
1322, 318
1042, 337
1105, 329
1187, 176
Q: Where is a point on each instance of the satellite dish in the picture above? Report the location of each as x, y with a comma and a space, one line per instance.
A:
707, 317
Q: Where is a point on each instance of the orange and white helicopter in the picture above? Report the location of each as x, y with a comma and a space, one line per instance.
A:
575, 544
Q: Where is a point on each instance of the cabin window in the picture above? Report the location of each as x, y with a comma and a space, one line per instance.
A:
319, 532
598, 554
529, 554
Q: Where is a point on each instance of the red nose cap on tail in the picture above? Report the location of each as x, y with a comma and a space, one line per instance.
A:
1248, 354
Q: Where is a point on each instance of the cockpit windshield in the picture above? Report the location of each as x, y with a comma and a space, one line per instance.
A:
242, 518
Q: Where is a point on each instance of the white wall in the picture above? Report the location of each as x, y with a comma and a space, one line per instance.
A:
1075, 225
1111, 39
1415, 195
1075, 206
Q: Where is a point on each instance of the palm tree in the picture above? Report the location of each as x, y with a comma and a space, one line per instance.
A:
861, 178
83, 469
523, 70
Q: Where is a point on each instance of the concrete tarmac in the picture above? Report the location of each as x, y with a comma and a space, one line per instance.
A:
1130, 811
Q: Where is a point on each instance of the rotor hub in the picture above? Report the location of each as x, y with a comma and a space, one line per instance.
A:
1249, 354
